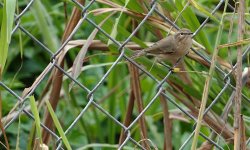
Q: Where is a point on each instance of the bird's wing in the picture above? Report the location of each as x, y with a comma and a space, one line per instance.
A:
163, 46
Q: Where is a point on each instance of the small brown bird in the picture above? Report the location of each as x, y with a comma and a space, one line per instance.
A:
171, 49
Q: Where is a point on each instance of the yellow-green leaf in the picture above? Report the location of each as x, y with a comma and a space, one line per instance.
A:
58, 126
6, 28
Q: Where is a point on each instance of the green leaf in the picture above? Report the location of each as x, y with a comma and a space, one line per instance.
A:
114, 31
45, 25
36, 116
203, 10
58, 126
6, 28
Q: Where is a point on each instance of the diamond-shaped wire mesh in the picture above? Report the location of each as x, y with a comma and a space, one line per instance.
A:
92, 90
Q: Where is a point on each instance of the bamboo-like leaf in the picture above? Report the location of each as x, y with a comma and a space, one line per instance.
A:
203, 10
6, 28
114, 31
36, 116
45, 25
76, 69
58, 126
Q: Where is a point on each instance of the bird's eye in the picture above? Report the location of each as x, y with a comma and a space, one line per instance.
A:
181, 34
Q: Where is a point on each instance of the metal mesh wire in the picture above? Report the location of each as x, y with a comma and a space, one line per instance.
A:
92, 92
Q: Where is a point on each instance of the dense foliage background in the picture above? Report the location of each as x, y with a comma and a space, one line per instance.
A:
46, 21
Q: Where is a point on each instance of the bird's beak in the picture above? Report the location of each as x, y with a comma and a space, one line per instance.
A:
190, 33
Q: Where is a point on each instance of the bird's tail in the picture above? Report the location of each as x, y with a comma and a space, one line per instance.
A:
137, 54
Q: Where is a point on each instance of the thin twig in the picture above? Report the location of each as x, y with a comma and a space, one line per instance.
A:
237, 100
167, 124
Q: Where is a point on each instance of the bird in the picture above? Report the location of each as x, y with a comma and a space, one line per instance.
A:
172, 48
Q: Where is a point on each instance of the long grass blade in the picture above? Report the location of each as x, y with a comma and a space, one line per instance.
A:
36, 116
6, 28
58, 126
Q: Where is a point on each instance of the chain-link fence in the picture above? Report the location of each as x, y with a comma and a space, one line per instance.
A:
218, 129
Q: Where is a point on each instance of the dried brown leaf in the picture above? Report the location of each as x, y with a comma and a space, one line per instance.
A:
76, 69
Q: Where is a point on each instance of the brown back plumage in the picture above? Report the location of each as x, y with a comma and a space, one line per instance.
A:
173, 45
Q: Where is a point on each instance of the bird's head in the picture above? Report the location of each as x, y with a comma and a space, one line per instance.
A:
183, 35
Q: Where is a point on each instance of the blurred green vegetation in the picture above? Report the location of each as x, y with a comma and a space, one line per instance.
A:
46, 21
